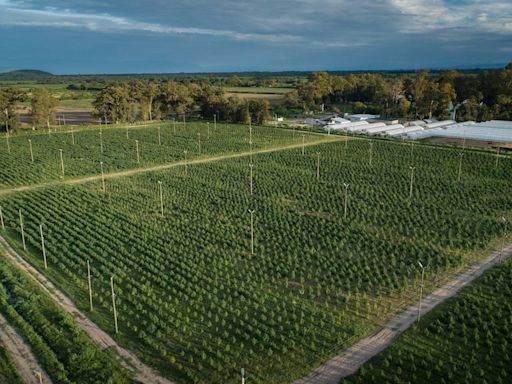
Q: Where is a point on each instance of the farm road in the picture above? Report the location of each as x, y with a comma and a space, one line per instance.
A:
349, 361
21, 354
143, 373
161, 167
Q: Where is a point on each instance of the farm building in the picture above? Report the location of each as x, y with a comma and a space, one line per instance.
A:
494, 130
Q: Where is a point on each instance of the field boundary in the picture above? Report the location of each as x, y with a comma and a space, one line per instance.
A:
349, 361
21, 354
143, 373
165, 166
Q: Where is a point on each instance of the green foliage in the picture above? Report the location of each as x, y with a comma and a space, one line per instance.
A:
62, 348
119, 152
42, 113
9, 99
466, 339
8, 374
195, 302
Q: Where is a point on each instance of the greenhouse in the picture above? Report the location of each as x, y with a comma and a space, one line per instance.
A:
494, 130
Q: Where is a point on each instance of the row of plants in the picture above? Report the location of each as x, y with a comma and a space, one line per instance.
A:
38, 160
61, 347
8, 373
195, 302
465, 340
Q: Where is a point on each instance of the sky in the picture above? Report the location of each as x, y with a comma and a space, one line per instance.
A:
164, 36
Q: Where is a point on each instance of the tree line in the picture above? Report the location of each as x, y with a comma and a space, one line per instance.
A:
42, 110
146, 100
127, 102
479, 97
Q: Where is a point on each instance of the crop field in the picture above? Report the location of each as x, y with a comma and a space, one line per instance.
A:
117, 148
62, 348
196, 302
8, 373
465, 340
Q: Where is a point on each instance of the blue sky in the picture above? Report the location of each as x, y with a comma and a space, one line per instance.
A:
134, 36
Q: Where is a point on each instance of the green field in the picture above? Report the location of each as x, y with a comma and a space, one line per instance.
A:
8, 374
465, 340
64, 351
119, 152
195, 303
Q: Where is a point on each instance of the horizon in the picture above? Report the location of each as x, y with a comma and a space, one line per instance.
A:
482, 67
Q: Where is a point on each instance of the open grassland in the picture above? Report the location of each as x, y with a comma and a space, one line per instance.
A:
259, 90
195, 302
465, 340
117, 148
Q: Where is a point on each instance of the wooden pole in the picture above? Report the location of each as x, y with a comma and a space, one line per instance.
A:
101, 142
346, 201
251, 211
371, 153
61, 162
497, 157
411, 184
303, 144
250, 178
114, 303
174, 125
421, 293
102, 177
2, 219
215, 121
89, 282
161, 198
72, 136
186, 164
208, 129
43, 248
318, 165
39, 376
137, 149
22, 231
31, 152
199, 141
159, 137
460, 166
8, 143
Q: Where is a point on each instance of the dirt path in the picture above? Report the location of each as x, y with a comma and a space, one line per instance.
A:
143, 373
160, 167
26, 363
349, 361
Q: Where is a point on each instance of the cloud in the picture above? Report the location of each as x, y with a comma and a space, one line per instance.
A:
16, 14
422, 16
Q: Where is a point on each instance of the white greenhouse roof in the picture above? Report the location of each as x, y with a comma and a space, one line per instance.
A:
494, 130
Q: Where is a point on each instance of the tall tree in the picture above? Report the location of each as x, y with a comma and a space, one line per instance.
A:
145, 93
9, 99
43, 107
175, 99
114, 104
445, 98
